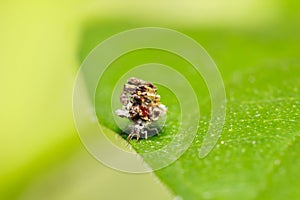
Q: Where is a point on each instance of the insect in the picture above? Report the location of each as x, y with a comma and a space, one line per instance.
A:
141, 105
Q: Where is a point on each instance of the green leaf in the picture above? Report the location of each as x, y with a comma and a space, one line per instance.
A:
257, 154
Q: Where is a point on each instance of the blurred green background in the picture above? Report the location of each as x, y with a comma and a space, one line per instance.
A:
42, 44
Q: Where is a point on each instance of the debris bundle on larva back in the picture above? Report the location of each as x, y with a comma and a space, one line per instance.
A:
140, 105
